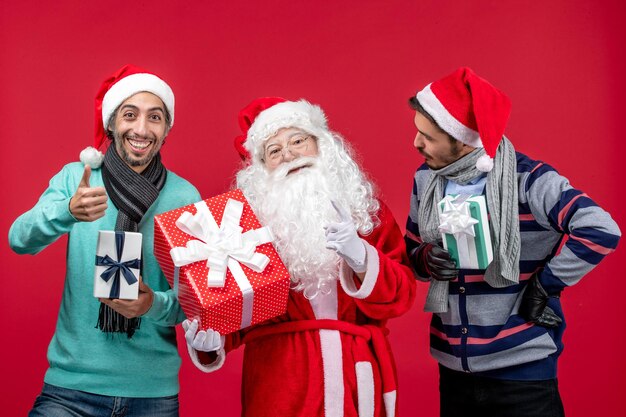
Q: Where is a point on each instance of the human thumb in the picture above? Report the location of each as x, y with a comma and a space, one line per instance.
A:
84, 181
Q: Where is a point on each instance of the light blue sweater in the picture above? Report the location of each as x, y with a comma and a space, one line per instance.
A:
81, 357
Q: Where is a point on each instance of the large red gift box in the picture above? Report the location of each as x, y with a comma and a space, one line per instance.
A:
259, 288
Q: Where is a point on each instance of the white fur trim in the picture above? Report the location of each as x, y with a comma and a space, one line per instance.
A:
389, 398
370, 278
217, 364
332, 364
92, 157
484, 163
299, 114
134, 84
365, 388
445, 120
325, 305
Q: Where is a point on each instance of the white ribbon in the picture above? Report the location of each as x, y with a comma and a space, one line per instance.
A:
455, 219
223, 247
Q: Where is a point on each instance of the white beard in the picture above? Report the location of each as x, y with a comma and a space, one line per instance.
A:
296, 207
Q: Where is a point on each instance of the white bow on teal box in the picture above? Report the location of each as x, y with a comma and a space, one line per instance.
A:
464, 226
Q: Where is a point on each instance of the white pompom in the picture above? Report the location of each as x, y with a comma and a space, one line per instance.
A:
484, 163
92, 157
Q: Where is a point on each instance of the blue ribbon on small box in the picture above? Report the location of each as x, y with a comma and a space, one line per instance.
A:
115, 266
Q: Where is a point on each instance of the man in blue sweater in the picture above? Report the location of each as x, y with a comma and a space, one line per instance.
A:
496, 332
128, 363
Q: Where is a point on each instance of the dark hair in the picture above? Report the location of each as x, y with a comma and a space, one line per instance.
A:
111, 122
415, 105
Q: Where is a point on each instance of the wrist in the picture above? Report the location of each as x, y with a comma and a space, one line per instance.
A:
69, 209
418, 260
156, 304
358, 262
150, 301
359, 267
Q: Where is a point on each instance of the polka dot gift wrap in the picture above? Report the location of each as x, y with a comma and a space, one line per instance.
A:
231, 307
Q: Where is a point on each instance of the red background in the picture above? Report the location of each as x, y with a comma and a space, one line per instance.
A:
562, 63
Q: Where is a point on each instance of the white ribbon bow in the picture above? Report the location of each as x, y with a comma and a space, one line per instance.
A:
222, 247
455, 218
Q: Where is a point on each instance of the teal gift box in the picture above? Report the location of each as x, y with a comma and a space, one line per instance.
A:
464, 226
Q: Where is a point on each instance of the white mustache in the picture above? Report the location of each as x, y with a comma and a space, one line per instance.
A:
285, 168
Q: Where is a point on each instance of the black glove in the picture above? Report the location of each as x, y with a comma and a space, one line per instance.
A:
534, 305
433, 261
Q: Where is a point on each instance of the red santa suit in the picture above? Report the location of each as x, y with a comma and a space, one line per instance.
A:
329, 356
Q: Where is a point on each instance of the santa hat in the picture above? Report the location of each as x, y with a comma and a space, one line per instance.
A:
470, 110
125, 82
264, 117
246, 118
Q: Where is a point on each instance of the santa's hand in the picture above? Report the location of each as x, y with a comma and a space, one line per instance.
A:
343, 239
205, 341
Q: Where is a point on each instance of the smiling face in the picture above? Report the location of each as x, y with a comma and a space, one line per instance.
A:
287, 145
438, 149
139, 129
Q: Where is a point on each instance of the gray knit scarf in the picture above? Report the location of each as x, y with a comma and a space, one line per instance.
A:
502, 205
132, 194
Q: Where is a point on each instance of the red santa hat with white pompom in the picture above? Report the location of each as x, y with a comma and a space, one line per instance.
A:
125, 82
469, 109
265, 116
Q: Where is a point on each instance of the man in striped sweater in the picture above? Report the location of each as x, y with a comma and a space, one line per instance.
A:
496, 332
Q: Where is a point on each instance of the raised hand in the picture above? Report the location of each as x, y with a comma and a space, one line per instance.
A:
342, 237
88, 203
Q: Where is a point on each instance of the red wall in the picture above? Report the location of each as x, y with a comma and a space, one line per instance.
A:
562, 64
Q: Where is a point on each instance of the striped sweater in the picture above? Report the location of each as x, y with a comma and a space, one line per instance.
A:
482, 331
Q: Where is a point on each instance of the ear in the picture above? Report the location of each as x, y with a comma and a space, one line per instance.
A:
465, 148
469, 148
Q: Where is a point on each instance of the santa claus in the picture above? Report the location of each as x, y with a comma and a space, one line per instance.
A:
328, 355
